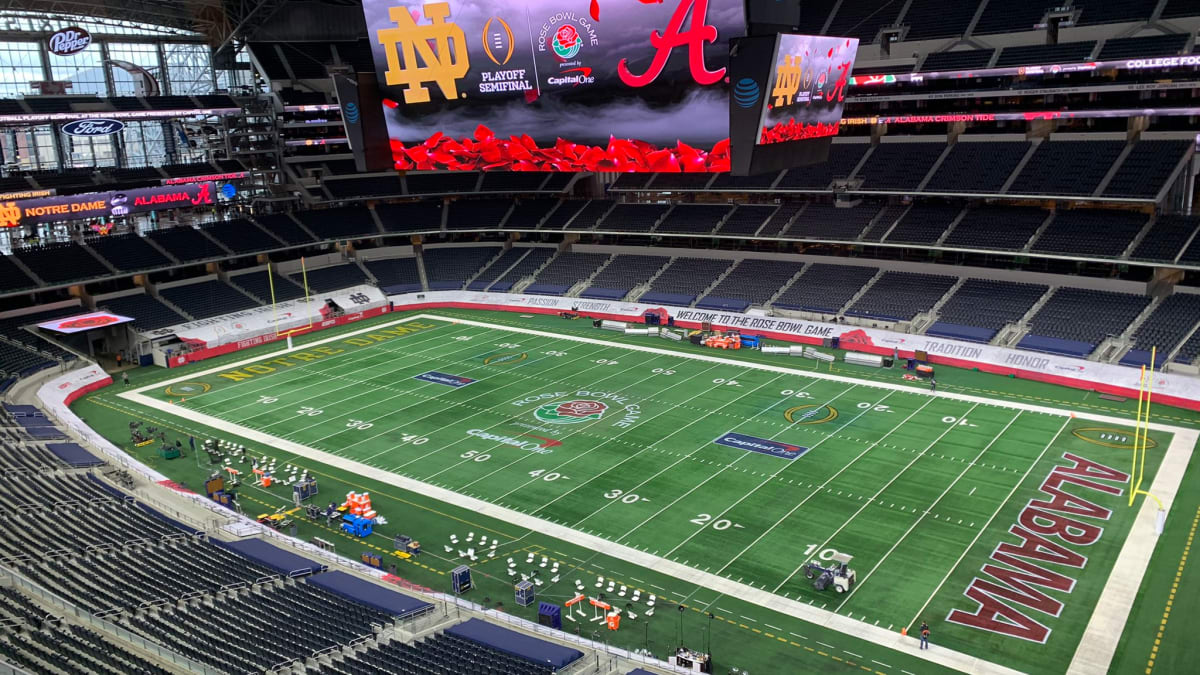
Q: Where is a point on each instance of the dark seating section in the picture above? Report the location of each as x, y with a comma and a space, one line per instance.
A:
346, 222
679, 181
439, 654
261, 286
843, 157
333, 278
128, 252
746, 219
147, 311
1146, 168
691, 218
1028, 55
523, 268
396, 275
1132, 47
477, 214
28, 456
998, 228
1115, 11
969, 59
242, 236
410, 216
1166, 238
1074, 320
899, 296
929, 19
365, 186
19, 361
441, 183
528, 213
630, 181
726, 181
447, 269
1169, 323
60, 647
1095, 232
828, 221
207, 298
12, 329
590, 215
187, 244
862, 19
780, 219
559, 217
977, 167
61, 262
981, 307
684, 280
623, 274
923, 224
752, 282
1190, 350
1066, 168
512, 181
565, 271
281, 225
883, 223
899, 166
497, 267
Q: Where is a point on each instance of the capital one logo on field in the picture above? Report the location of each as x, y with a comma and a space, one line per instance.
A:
416, 54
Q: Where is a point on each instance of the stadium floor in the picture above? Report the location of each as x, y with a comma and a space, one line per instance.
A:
919, 489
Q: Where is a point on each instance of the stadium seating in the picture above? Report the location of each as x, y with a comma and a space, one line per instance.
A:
822, 220
996, 228
1094, 232
623, 274
752, 282
497, 267
54, 647
264, 287
367, 186
759, 182
187, 244
1066, 168
1169, 324
843, 157
899, 296
410, 216
684, 280
977, 167
981, 307
559, 217
448, 269
824, 288
523, 268
968, 59
395, 275
780, 219
899, 166
923, 224
1027, 55
128, 252
678, 181
242, 236
281, 225
930, 19
884, 222
589, 215
1133, 47
528, 213
438, 654
1146, 168
862, 19
1010, 17
207, 298
698, 219
1075, 320
1166, 238
631, 181
746, 220
147, 311
347, 222
61, 262
1113, 11
512, 181
333, 278
476, 214
565, 271
441, 183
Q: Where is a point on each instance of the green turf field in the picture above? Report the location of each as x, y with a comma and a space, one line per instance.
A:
631, 442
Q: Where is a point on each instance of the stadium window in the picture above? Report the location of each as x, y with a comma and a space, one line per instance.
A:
189, 68
139, 54
89, 151
20, 64
84, 71
29, 148
144, 144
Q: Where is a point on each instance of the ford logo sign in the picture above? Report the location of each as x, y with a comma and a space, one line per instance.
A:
98, 127
69, 41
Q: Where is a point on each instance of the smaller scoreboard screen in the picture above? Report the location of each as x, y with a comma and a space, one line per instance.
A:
806, 88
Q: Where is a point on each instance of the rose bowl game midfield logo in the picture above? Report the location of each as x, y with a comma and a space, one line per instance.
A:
570, 412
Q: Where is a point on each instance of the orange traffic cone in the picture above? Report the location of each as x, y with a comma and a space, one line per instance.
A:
904, 630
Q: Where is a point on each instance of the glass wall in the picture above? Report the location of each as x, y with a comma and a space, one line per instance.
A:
139, 54
189, 68
20, 64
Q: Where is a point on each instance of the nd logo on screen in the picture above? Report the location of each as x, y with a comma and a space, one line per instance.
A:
440, 62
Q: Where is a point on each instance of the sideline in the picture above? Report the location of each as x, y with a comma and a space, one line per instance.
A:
1095, 649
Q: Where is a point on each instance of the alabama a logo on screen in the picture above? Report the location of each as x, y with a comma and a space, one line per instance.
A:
416, 54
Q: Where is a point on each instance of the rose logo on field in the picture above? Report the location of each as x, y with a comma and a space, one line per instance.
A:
570, 412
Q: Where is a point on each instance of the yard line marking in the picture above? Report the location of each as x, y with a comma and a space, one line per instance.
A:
797, 635
989, 521
826, 483
973, 489
663, 470
866, 576
826, 645
857, 656
881, 663
747, 618
915, 459
722, 470
772, 627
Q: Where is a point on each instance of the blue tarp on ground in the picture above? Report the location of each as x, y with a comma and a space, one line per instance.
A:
43, 433
370, 594
958, 331
397, 289
18, 410
478, 285
547, 289
726, 304
659, 298
604, 293
73, 454
517, 644
272, 556
1041, 343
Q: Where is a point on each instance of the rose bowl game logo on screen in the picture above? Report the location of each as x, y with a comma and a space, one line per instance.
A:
567, 42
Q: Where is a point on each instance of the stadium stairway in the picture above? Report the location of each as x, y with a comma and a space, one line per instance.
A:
582, 284
841, 313
923, 320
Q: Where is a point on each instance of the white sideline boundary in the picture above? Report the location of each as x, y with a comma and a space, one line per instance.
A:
1095, 649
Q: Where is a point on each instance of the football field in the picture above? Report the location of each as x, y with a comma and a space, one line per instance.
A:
742, 470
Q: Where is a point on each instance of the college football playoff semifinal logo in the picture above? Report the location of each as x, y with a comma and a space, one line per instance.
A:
570, 412
435, 52
497, 38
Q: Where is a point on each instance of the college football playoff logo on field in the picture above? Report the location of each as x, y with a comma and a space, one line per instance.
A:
570, 412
